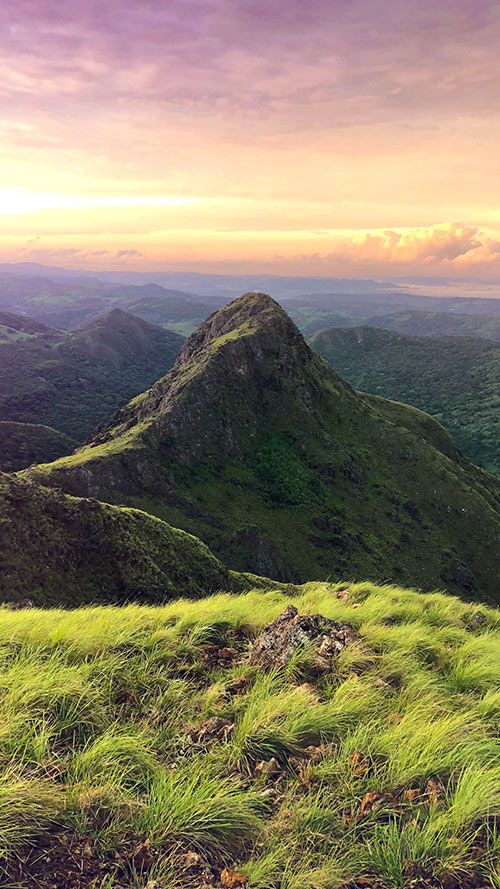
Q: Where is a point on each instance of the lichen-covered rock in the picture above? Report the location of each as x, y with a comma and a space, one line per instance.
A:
279, 641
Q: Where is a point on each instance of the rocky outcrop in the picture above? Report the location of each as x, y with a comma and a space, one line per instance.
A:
290, 631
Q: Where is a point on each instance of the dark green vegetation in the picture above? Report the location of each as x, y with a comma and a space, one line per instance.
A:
253, 443
384, 769
61, 550
456, 379
74, 381
430, 323
22, 444
73, 303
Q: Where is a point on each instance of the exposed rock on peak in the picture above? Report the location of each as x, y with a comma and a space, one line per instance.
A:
244, 315
290, 631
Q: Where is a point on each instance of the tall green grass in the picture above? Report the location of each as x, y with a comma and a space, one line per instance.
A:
99, 710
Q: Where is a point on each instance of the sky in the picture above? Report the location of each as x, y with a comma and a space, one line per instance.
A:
327, 137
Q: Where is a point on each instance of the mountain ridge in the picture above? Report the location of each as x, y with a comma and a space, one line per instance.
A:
64, 551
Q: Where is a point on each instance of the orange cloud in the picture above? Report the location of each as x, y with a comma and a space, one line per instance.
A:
449, 242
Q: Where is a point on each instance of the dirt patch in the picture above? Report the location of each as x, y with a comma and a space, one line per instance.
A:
64, 861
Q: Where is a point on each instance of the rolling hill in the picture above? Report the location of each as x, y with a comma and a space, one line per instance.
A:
256, 445
456, 379
72, 381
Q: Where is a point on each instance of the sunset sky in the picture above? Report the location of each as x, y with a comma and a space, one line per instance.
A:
328, 137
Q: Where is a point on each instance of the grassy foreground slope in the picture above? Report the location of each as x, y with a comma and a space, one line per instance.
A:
60, 550
382, 772
456, 379
253, 443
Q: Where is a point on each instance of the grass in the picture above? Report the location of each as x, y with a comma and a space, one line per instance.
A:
99, 710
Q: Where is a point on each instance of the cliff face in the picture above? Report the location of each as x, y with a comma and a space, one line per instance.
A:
256, 445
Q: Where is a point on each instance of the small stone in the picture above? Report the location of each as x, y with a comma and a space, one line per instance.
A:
192, 859
371, 801
142, 856
315, 754
435, 792
232, 879
268, 768
238, 685
476, 621
360, 763
214, 728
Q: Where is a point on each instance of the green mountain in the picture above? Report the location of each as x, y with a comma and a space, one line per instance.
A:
429, 323
22, 444
66, 551
255, 444
456, 379
72, 381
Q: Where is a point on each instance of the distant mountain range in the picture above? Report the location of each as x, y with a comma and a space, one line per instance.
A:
425, 323
69, 304
179, 301
253, 443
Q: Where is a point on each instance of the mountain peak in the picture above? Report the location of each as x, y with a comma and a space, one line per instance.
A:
115, 317
244, 315
245, 360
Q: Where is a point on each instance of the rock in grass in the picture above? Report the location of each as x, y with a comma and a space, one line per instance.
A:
142, 856
279, 641
232, 879
214, 729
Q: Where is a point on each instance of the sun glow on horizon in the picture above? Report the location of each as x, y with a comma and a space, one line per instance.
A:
16, 201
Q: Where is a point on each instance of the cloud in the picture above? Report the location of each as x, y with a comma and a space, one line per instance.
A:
122, 253
439, 243
449, 247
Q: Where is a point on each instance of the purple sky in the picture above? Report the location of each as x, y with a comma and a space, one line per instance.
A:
298, 131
